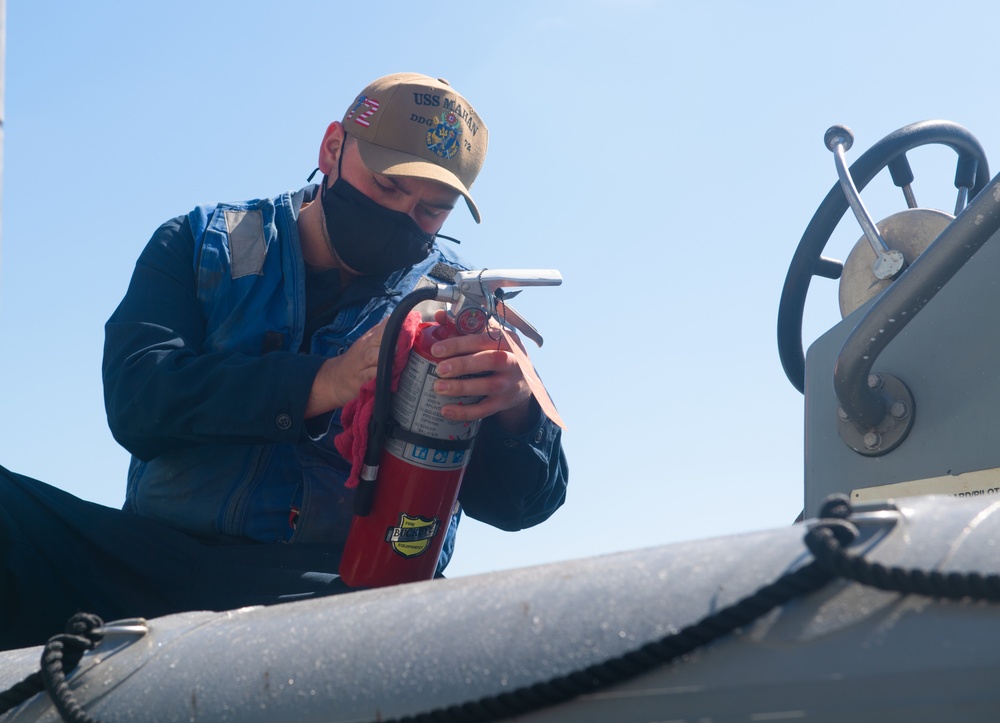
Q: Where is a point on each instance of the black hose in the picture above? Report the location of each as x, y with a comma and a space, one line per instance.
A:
381, 422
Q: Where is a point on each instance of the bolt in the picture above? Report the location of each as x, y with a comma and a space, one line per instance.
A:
842, 415
874, 381
873, 440
898, 410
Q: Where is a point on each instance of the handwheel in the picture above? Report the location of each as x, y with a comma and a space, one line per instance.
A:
971, 176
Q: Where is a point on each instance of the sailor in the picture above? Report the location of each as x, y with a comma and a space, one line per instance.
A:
245, 330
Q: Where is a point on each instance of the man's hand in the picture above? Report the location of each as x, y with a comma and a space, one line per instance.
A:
500, 381
341, 377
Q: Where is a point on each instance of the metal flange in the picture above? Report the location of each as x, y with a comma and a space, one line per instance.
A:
895, 425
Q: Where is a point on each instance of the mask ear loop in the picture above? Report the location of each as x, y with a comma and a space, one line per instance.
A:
322, 184
340, 158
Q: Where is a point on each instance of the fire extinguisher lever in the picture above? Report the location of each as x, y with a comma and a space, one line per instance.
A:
485, 290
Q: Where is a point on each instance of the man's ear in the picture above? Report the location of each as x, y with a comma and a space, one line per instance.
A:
331, 147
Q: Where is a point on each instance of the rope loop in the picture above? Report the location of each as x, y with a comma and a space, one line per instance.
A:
61, 655
826, 541
836, 506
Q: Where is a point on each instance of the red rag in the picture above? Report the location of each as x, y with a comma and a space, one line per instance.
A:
357, 413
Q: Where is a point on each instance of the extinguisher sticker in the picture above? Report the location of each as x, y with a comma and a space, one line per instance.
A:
416, 407
413, 535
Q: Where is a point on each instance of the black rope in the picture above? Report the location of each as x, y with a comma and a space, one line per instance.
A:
61, 654
947, 585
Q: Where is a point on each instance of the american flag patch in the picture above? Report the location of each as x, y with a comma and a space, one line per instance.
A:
370, 105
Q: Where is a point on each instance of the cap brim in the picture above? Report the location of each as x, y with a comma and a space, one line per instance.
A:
390, 162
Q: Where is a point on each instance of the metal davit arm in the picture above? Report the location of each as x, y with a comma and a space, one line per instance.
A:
865, 402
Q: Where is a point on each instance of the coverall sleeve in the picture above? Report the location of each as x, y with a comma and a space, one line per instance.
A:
163, 391
515, 481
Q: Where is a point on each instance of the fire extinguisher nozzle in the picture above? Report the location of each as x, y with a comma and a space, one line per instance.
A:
364, 498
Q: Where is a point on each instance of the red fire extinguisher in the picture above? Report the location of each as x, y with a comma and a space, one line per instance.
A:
416, 458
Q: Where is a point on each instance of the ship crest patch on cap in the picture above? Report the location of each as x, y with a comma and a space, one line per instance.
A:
442, 138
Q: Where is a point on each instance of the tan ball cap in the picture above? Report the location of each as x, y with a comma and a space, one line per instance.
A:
408, 124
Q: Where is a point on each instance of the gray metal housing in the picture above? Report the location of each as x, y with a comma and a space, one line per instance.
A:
947, 356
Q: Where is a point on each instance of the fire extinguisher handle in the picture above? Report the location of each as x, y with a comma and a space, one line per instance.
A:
485, 282
484, 289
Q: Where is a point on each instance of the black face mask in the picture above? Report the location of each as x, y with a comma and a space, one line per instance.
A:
370, 238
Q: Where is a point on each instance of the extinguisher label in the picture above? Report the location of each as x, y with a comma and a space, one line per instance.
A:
413, 535
417, 408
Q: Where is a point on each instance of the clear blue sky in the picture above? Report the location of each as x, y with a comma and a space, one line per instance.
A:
665, 157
